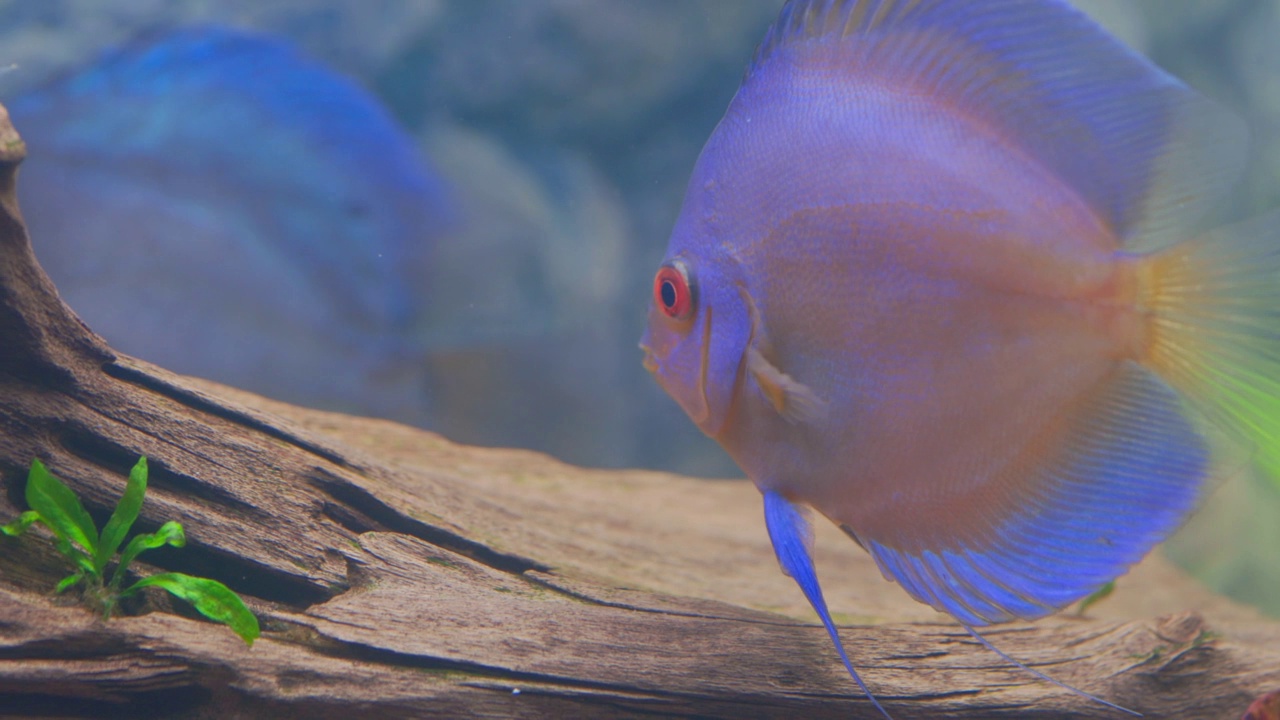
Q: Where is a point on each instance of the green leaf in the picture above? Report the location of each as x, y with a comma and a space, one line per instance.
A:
20, 524
213, 599
169, 533
59, 508
73, 554
1094, 597
68, 581
125, 513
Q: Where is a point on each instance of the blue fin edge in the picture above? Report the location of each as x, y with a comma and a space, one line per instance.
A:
791, 535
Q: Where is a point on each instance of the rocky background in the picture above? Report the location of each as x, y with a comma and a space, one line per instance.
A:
564, 131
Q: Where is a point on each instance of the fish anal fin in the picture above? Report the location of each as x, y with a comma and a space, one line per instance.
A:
1126, 467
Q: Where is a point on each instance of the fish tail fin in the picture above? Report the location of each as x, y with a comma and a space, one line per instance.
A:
792, 536
1213, 329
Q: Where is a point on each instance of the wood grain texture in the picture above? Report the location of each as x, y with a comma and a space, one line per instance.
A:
400, 575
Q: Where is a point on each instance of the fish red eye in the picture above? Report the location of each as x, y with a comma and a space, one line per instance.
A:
673, 291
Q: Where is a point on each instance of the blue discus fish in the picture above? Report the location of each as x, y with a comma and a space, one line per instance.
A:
937, 276
214, 201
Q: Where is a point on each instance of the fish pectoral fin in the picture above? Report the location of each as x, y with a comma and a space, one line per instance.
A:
791, 399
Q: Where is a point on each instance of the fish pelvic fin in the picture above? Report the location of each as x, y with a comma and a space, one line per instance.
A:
1212, 308
792, 538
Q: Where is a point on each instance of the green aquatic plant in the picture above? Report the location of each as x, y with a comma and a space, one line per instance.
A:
55, 506
1094, 597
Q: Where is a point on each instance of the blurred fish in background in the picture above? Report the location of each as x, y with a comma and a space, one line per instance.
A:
551, 141
214, 202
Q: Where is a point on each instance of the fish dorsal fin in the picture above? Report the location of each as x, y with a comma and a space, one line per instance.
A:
1146, 153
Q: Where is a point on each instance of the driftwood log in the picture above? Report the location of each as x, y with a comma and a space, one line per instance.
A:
399, 575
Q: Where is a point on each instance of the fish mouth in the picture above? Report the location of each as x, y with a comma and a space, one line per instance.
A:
650, 362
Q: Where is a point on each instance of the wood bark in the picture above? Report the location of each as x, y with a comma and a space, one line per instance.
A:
399, 575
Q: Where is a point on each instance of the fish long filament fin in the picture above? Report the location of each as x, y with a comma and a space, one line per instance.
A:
792, 538
1076, 691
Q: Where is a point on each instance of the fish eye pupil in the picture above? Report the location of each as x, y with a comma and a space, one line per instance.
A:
673, 291
668, 291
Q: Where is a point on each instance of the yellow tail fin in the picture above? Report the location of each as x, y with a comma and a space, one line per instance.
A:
1214, 305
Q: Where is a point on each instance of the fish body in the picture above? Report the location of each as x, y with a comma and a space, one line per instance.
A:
223, 180
936, 276
891, 293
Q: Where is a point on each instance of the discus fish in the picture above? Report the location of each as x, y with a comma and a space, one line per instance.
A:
937, 276
217, 202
